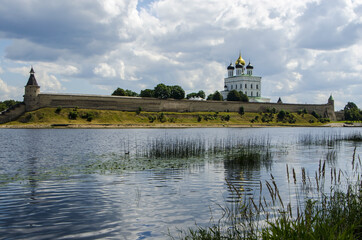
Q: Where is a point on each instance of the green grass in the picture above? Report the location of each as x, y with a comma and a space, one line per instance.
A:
61, 116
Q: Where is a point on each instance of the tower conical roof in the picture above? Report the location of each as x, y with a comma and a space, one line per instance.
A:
32, 81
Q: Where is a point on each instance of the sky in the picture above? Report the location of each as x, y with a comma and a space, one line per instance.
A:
303, 50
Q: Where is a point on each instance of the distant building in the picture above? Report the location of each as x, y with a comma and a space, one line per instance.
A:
244, 82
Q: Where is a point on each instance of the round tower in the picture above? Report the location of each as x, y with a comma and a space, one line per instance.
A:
32, 90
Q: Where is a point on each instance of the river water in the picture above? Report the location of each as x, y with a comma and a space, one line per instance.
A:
53, 185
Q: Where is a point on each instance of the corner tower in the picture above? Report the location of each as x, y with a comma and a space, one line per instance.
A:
32, 90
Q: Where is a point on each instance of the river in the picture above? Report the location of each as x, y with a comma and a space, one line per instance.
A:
53, 184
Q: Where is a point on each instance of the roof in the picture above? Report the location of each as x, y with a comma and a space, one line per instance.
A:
231, 67
32, 81
249, 66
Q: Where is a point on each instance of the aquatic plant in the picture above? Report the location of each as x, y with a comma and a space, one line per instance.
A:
333, 215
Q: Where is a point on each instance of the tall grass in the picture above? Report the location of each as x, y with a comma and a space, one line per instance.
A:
336, 214
329, 139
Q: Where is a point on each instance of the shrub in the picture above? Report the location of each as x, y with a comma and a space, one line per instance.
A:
281, 115
151, 118
162, 118
73, 115
314, 114
138, 111
199, 118
58, 110
241, 111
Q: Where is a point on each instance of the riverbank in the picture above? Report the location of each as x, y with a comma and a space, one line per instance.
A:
89, 118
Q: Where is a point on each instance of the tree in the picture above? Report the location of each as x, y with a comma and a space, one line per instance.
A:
210, 96
233, 95
191, 95
7, 104
177, 92
131, 93
162, 91
243, 97
147, 93
217, 96
201, 94
119, 92
351, 112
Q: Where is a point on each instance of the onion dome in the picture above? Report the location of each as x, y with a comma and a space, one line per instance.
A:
230, 67
249, 66
225, 87
240, 61
32, 81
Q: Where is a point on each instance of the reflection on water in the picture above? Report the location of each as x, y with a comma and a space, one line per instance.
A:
45, 192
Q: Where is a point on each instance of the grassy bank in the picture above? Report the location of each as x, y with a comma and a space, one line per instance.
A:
73, 117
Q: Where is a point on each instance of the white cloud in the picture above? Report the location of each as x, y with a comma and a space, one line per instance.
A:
104, 70
6, 91
300, 48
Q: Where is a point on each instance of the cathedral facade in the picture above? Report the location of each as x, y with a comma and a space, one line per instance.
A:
241, 78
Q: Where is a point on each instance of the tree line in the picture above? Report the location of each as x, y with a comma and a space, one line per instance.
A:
7, 104
163, 91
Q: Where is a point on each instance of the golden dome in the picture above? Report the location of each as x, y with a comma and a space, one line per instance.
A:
240, 60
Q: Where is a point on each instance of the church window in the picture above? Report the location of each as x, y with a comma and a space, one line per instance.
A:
251, 94
257, 86
246, 86
251, 86
236, 86
241, 86
231, 87
257, 94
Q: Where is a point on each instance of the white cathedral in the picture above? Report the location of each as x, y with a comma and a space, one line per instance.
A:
244, 82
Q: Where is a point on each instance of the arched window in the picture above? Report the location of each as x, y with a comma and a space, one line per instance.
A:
231, 87
251, 94
246, 86
251, 86
257, 86
241, 86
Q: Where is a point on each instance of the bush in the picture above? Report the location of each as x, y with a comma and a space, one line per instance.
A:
162, 118
281, 115
241, 111
73, 115
199, 118
138, 111
151, 118
316, 115
58, 110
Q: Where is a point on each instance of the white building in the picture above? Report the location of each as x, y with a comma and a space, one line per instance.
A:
244, 82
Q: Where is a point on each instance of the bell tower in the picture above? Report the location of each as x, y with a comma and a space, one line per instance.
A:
32, 90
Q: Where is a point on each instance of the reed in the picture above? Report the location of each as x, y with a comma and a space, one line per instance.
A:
333, 215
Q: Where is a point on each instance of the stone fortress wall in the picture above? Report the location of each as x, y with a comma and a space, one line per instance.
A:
121, 103
171, 105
